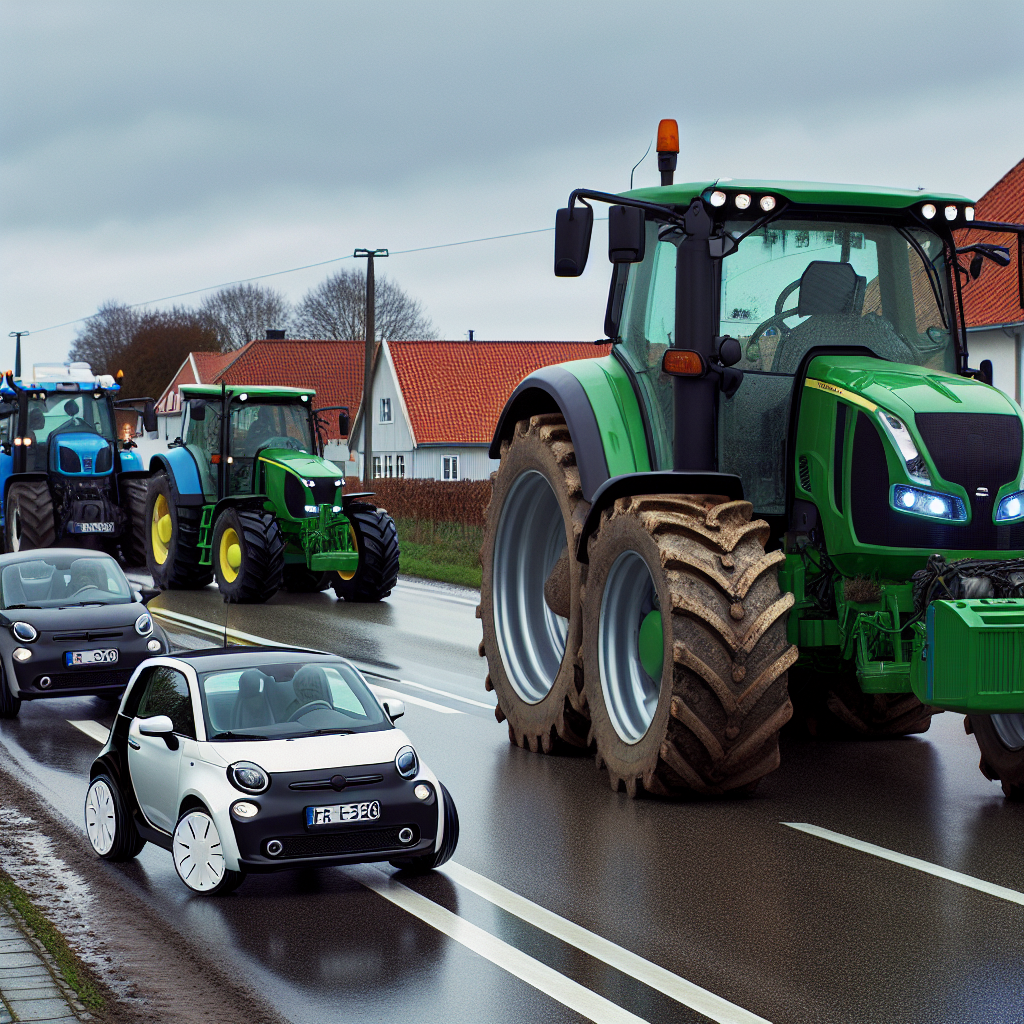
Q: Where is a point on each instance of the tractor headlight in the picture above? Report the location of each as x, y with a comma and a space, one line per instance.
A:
927, 503
900, 437
1011, 508
407, 763
24, 631
144, 624
248, 777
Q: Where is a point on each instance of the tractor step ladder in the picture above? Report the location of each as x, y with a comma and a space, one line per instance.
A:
205, 543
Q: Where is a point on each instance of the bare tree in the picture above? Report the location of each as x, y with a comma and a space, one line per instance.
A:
158, 347
336, 308
243, 312
104, 338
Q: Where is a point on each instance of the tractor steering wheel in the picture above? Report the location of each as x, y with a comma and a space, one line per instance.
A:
306, 709
282, 441
777, 319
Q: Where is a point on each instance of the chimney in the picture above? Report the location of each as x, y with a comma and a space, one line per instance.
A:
275, 335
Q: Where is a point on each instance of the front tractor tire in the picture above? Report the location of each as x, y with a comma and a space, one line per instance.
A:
172, 539
1001, 742
133, 540
28, 517
248, 555
686, 656
376, 539
530, 592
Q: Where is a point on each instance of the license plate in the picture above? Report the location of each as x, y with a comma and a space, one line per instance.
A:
334, 814
92, 527
105, 656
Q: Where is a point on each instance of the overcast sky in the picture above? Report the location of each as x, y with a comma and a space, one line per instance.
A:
150, 149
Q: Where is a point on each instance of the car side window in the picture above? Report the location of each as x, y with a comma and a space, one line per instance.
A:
166, 693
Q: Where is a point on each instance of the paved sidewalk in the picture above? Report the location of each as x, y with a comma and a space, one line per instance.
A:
29, 985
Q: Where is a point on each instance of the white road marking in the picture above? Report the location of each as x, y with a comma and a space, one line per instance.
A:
444, 693
259, 641
444, 595
1011, 895
669, 984
542, 977
93, 730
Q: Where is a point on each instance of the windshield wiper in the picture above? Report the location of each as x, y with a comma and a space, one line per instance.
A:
329, 732
11, 607
238, 736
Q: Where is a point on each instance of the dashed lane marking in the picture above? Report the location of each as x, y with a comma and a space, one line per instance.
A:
93, 730
539, 975
1011, 895
669, 984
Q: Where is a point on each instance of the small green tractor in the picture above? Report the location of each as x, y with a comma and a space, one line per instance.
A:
245, 496
784, 486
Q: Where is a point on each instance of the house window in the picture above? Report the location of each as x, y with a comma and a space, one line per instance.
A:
376, 465
400, 466
450, 469
389, 469
385, 410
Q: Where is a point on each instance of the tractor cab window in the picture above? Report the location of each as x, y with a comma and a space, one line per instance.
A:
202, 439
646, 327
61, 412
256, 426
793, 286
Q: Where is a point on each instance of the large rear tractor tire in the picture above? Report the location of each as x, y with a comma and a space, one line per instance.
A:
248, 555
133, 540
298, 579
530, 592
172, 539
1001, 741
684, 633
377, 541
28, 518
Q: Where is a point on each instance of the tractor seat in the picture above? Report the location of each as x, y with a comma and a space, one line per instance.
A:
252, 706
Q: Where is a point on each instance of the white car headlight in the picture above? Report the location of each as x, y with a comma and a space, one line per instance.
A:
24, 631
407, 763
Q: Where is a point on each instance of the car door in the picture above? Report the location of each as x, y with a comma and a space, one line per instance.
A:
153, 765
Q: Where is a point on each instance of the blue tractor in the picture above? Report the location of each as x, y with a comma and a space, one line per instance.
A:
67, 477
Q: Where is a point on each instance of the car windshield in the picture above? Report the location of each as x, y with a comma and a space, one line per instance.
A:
279, 701
53, 580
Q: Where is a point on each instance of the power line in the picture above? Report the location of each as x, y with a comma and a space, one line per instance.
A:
308, 266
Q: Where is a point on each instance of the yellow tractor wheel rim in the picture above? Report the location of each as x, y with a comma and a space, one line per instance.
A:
161, 529
230, 554
355, 544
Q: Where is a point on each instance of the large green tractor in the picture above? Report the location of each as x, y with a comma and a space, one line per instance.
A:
245, 497
783, 486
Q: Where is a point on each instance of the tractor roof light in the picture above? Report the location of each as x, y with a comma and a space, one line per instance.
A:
683, 362
717, 198
243, 397
767, 203
928, 211
742, 201
668, 149
950, 212
968, 213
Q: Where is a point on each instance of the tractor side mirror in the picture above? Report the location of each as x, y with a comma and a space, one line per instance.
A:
627, 234
7, 409
149, 423
197, 409
343, 423
573, 228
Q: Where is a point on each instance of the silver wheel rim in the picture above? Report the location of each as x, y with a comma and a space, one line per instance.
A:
198, 857
630, 694
16, 529
100, 822
1010, 729
530, 539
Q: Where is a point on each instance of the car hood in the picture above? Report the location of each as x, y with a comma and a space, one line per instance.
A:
309, 753
71, 618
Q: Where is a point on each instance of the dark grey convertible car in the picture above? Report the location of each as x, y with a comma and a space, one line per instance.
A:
70, 624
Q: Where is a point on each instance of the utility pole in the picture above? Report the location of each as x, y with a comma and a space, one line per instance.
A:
17, 350
370, 333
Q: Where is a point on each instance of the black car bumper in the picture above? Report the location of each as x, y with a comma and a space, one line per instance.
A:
282, 819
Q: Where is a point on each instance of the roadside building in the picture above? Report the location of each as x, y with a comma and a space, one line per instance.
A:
435, 404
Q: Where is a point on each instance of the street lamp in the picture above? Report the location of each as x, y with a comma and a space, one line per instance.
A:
370, 331
17, 350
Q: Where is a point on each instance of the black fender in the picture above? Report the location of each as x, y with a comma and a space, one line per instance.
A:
670, 482
249, 502
553, 389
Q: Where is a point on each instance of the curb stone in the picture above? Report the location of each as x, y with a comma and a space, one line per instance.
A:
29, 977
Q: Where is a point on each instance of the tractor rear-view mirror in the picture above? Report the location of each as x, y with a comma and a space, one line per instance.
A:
149, 423
197, 409
573, 227
7, 409
627, 234
343, 423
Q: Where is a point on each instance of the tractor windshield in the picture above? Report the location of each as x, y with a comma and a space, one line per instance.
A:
259, 425
61, 412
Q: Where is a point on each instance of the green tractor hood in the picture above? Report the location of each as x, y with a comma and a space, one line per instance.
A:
301, 464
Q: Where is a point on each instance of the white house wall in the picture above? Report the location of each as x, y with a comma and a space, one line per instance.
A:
473, 462
1003, 346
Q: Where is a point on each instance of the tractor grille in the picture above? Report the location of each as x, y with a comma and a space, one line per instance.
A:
876, 522
365, 840
973, 449
81, 680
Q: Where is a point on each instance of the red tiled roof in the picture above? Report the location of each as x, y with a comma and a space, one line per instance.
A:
209, 364
455, 391
993, 299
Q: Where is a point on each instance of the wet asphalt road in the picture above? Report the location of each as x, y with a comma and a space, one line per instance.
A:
779, 923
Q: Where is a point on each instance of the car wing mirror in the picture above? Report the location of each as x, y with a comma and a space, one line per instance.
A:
393, 708
162, 726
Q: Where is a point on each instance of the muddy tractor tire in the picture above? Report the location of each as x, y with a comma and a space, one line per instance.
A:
248, 555
28, 518
133, 540
530, 593
1001, 742
172, 539
298, 579
377, 541
686, 656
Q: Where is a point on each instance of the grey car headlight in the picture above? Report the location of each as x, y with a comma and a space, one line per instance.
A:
248, 777
407, 763
144, 624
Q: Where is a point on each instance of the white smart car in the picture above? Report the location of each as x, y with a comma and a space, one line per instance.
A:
256, 759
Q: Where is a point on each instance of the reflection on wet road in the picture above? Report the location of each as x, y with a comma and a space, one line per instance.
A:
570, 902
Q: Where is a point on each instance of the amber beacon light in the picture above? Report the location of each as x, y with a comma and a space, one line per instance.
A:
668, 149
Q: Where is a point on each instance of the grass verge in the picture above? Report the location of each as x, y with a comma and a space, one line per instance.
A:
76, 974
448, 552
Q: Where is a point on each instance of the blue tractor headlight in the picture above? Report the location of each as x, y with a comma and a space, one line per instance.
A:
932, 504
1011, 508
